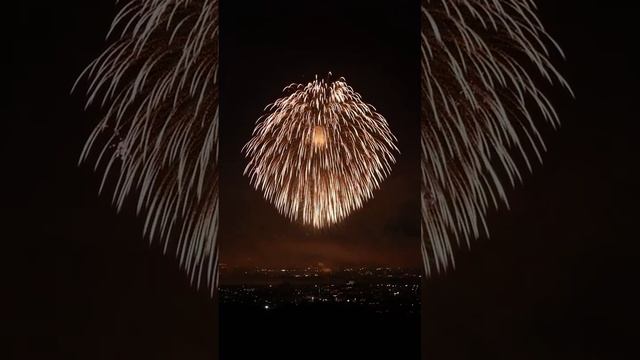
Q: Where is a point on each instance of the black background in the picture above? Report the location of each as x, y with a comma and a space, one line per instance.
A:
555, 281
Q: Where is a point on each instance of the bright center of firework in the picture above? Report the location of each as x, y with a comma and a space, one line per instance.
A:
319, 137
319, 188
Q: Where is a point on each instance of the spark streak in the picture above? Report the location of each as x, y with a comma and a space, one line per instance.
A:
481, 106
157, 142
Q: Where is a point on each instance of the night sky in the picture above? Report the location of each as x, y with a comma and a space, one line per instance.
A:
377, 50
554, 281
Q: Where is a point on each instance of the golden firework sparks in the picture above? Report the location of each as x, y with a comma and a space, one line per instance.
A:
319, 152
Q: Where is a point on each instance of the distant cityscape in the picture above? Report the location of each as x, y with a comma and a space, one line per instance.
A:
378, 289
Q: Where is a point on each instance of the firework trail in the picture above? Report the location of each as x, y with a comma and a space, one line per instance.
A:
158, 140
480, 63
319, 152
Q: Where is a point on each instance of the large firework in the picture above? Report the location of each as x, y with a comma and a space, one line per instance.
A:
481, 62
320, 152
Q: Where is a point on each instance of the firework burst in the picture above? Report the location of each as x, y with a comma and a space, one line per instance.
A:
319, 152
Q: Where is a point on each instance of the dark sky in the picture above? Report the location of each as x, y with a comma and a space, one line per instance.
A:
376, 49
553, 282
